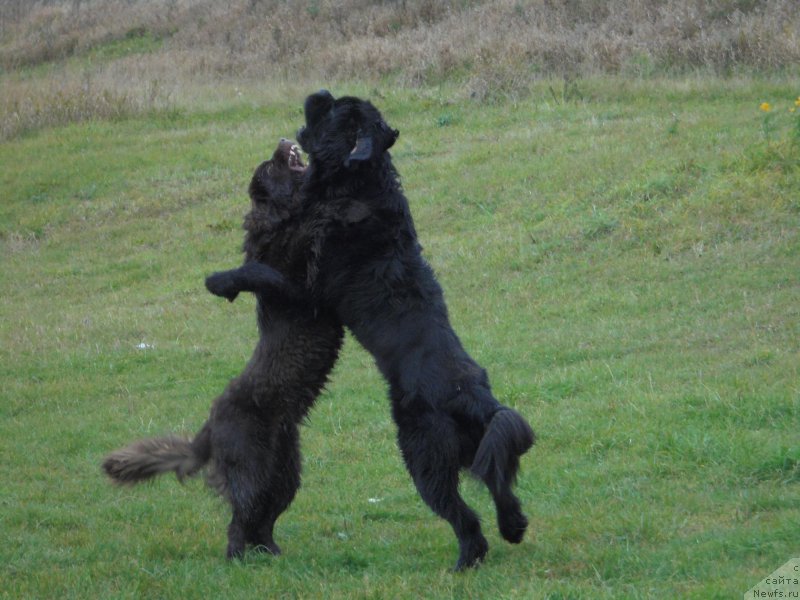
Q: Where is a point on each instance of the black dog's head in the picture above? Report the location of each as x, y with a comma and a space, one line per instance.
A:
343, 133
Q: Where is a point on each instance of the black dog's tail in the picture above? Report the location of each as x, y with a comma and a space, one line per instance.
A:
147, 458
507, 437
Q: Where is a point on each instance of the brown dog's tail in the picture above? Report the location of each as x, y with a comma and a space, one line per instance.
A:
147, 458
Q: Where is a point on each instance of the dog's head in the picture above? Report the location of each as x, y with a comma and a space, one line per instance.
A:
343, 133
275, 181
274, 192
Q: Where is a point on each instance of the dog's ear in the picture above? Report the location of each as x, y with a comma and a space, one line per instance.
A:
362, 151
317, 105
371, 143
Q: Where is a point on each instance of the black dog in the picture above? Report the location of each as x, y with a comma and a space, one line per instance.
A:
251, 437
366, 265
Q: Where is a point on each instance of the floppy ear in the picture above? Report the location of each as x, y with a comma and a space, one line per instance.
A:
361, 151
370, 144
317, 105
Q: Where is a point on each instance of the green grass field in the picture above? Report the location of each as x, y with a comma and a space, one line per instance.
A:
622, 256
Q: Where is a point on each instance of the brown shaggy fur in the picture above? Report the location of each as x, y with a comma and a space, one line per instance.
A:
251, 440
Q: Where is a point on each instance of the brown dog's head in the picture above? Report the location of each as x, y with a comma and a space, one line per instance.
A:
275, 196
276, 181
343, 134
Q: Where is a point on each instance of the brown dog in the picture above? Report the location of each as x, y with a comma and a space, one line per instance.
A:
251, 438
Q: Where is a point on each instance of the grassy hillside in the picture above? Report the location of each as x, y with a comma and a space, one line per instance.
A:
619, 247
623, 261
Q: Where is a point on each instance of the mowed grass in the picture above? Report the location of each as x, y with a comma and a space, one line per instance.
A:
624, 262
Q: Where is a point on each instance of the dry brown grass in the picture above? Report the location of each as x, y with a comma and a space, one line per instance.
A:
417, 39
492, 48
32, 104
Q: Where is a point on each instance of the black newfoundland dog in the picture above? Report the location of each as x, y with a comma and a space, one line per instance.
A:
251, 438
365, 264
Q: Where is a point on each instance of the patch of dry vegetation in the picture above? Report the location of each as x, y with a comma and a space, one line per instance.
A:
492, 48
30, 105
420, 39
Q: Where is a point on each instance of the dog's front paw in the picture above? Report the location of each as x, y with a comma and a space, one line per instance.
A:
222, 284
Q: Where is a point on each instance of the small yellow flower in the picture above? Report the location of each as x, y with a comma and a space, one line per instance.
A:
791, 110
797, 102
765, 106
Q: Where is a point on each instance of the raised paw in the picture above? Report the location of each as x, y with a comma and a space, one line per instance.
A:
222, 284
512, 526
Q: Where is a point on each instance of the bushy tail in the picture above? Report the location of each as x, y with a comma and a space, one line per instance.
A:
507, 437
147, 458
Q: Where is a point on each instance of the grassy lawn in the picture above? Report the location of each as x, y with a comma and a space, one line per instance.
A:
622, 256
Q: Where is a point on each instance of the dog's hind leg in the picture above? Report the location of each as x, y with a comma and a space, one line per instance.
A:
510, 519
236, 538
496, 462
246, 486
284, 480
429, 444
247, 514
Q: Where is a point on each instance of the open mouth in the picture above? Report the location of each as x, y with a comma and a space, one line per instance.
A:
291, 153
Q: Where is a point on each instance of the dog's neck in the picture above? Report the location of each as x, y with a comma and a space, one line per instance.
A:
261, 225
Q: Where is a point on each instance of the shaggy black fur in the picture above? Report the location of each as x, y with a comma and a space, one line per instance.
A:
366, 265
251, 437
